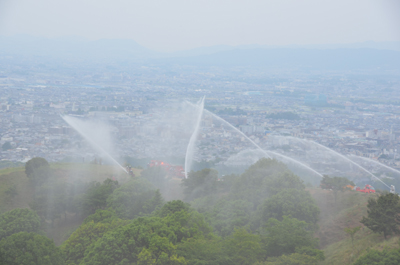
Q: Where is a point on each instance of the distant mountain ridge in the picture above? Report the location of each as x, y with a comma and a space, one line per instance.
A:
305, 58
385, 55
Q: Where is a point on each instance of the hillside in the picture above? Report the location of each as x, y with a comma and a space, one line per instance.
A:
349, 209
69, 173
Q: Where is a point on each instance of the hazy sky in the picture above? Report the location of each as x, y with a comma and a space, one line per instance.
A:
167, 25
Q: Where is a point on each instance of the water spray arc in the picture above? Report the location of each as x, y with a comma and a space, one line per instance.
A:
236, 129
297, 162
192, 141
342, 156
87, 137
258, 147
375, 162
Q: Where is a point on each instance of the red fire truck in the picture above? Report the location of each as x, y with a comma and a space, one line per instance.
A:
172, 170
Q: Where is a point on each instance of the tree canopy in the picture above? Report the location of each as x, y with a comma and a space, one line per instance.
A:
25, 248
383, 214
200, 183
37, 169
18, 220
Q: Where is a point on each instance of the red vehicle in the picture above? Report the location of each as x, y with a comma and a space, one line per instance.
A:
367, 189
171, 170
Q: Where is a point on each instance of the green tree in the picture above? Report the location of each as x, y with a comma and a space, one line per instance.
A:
200, 183
292, 259
6, 146
88, 233
26, 248
37, 169
297, 203
383, 214
101, 216
96, 196
155, 203
226, 215
11, 192
263, 179
351, 232
335, 183
375, 257
203, 251
243, 248
283, 237
133, 199
18, 220
158, 235
172, 207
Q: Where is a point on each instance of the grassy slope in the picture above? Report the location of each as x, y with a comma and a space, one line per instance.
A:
349, 209
68, 172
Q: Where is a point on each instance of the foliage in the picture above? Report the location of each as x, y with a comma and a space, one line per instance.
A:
292, 259
375, 257
283, 237
262, 179
37, 169
351, 232
173, 207
383, 214
148, 239
203, 251
133, 199
228, 214
243, 248
200, 183
312, 252
75, 246
11, 191
26, 248
18, 220
295, 202
335, 183
96, 196
103, 216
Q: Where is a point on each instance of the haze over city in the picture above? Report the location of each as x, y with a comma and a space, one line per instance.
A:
199, 132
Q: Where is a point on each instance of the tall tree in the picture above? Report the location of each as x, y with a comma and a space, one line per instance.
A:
96, 196
37, 170
335, 183
383, 214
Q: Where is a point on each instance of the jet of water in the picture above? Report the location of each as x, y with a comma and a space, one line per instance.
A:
192, 141
340, 155
80, 127
258, 147
236, 129
296, 162
375, 162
